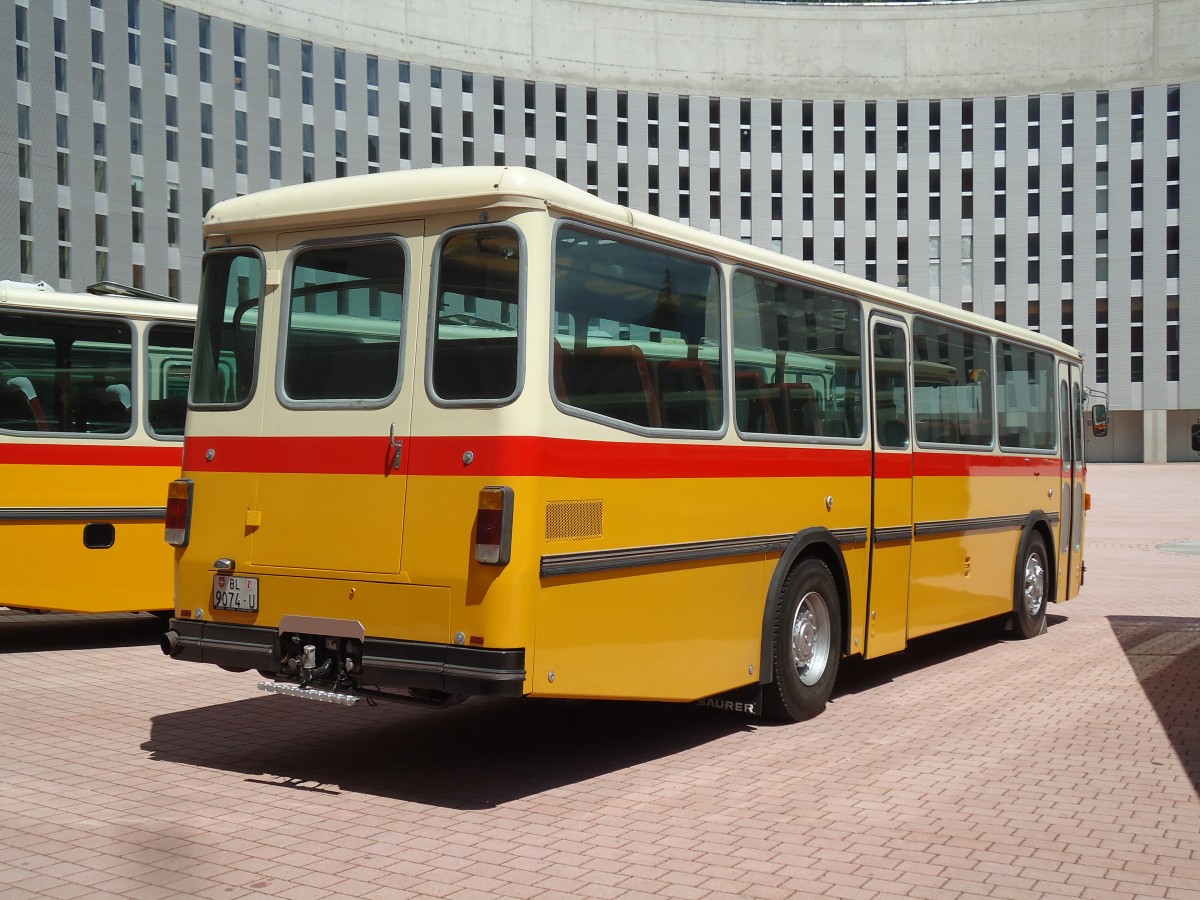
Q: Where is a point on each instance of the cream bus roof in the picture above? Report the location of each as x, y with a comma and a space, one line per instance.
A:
16, 294
391, 196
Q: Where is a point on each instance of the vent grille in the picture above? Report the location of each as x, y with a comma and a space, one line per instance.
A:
573, 520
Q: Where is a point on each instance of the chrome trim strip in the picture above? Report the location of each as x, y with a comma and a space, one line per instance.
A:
892, 535
82, 513
559, 564
554, 565
851, 535
959, 526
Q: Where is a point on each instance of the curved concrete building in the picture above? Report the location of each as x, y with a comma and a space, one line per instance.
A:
1033, 160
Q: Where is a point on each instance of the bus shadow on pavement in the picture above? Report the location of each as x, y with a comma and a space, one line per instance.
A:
1164, 653
858, 675
23, 631
478, 755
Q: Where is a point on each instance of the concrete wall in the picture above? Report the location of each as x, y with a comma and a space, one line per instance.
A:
996, 47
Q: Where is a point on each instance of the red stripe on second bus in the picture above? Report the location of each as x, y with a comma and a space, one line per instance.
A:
86, 454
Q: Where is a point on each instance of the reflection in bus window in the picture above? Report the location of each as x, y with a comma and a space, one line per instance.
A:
1025, 398
168, 367
638, 332
799, 359
478, 295
344, 321
65, 375
227, 327
952, 396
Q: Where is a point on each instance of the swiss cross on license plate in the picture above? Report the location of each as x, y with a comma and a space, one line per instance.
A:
235, 592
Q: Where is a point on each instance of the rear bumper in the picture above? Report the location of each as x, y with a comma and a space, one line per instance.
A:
386, 664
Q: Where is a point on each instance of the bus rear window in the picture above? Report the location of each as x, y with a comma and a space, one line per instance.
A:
345, 314
227, 327
65, 375
478, 315
638, 332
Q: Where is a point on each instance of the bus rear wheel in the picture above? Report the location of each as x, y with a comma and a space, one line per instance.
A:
1032, 589
808, 640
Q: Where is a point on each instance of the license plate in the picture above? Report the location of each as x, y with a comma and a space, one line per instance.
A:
235, 592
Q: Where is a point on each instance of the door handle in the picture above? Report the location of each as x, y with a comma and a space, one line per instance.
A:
394, 445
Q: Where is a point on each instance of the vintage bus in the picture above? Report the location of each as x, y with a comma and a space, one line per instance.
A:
93, 394
472, 431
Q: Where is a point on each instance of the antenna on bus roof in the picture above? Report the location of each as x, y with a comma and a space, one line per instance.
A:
113, 289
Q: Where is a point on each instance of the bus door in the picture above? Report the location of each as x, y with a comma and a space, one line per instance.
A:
1070, 540
892, 496
334, 464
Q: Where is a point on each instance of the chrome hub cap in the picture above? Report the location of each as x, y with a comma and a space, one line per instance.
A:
810, 638
1035, 585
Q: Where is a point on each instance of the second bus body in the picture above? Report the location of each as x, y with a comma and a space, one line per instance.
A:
474, 432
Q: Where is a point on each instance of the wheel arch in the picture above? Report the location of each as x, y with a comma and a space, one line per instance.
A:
1037, 522
811, 543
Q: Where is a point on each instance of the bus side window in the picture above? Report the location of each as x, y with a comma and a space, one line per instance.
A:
168, 365
807, 342
952, 398
638, 333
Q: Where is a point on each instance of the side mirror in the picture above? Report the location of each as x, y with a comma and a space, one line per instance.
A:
1100, 420
1196, 438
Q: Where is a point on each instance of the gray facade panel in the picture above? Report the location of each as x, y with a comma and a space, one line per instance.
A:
637, 168
291, 111
854, 203
950, 218
356, 112
886, 217
983, 207
606, 143
44, 156
82, 209
191, 201
10, 206
577, 146
668, 155
822, 179
116, 108
1189, 262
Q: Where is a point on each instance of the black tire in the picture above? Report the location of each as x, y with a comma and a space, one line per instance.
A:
1032, 589
808, 644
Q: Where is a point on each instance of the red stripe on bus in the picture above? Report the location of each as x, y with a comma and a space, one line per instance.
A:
516, 456
965, 464
87, 454
493, 456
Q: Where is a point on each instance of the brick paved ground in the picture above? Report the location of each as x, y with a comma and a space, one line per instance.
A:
1064, 766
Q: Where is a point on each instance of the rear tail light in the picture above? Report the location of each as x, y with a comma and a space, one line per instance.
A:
179, 512
493, 526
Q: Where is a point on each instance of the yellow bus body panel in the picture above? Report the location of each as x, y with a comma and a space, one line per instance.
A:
672, 632
969, 575
47, 564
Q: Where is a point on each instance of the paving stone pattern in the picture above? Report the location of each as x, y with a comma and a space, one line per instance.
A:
969, 766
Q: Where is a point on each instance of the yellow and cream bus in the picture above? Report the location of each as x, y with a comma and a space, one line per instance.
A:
473, 431
93, 394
